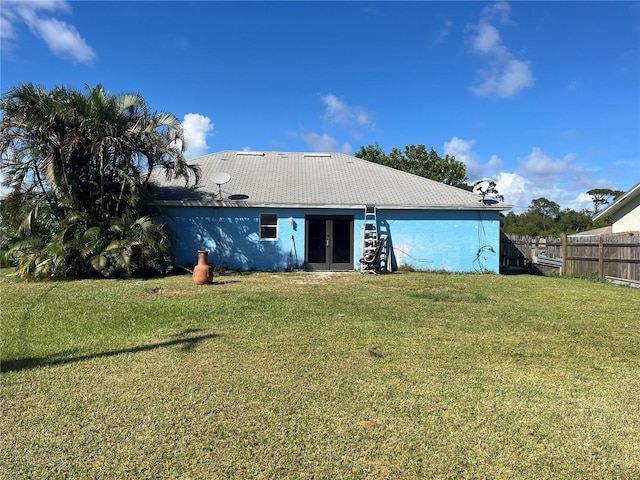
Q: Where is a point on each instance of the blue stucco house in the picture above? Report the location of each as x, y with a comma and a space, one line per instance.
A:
314, 211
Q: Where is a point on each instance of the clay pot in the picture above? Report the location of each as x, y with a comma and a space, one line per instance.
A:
202, 272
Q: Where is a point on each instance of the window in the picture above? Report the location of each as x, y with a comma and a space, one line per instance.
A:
268, 226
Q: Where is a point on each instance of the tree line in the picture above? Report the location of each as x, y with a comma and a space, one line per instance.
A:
545, 218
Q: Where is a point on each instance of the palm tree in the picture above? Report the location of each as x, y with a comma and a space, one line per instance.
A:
81, 162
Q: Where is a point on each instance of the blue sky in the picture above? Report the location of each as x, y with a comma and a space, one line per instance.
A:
542, 97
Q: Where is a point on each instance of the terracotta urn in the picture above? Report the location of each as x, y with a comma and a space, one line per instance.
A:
202, 272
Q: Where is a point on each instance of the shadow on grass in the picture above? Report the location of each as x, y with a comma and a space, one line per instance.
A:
521, 271
188, 343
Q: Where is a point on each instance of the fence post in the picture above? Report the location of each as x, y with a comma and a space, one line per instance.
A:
563, 254
600, 258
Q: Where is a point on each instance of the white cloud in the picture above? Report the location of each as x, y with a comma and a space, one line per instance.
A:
505, 75
584, 197
561, 180
487, 39
196, 129
515, 189
498, 12
63, 39
539, 164
495, 163
325, 143
504, 79
558, 179
462, 150
339, 113
339, 119
6, 28
519, 191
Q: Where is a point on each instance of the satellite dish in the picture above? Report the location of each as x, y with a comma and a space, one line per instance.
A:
481, 187
487, 191
220, 179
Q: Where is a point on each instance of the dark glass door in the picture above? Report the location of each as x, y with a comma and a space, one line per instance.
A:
329, 243
317, 241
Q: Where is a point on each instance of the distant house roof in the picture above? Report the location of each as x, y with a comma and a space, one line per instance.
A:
313, 180
619, 203
597, 232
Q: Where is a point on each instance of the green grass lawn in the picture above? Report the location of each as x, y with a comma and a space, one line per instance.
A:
410, 375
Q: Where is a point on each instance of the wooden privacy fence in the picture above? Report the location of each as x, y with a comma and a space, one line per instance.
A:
522, 251
615, 257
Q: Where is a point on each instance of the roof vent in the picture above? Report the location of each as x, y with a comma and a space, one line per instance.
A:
249, 153
316, 154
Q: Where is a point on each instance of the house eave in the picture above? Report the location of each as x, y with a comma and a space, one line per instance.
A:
615, 206
359, 206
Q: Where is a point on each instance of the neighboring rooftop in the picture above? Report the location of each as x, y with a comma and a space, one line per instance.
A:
313, 180
596, 232
620, 202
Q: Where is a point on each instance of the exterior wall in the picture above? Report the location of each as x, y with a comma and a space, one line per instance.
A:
627, 219
234, 241
455, 241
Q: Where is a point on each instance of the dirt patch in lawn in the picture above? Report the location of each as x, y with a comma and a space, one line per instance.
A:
320, 277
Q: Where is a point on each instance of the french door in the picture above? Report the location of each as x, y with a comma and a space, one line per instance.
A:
329, 242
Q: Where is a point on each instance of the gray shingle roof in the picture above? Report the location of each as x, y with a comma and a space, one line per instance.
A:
313, 180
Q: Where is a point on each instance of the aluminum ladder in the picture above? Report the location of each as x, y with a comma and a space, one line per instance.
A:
370, 241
